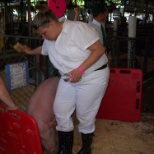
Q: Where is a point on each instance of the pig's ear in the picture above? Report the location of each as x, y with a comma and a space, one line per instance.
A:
58, 7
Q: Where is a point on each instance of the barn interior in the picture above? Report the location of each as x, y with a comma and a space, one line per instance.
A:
124, 52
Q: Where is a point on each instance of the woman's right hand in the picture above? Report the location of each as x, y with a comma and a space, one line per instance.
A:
26, 49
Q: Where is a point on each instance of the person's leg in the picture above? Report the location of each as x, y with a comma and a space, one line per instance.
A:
64, 106
90, 92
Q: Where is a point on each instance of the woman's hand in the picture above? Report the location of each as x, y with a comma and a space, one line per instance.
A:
77, 13
75, 75
26, 49
12, 107
77, 10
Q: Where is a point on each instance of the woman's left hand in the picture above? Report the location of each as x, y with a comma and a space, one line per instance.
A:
75, 75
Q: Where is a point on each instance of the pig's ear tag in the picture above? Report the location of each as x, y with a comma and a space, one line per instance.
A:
58, 7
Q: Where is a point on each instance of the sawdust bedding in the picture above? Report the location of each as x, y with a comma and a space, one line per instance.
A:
117, 137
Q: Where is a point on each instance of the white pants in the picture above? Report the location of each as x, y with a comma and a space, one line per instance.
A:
85, 96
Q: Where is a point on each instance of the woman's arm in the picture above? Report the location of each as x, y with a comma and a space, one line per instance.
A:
29, 51
97, 50
5, 97
77, 13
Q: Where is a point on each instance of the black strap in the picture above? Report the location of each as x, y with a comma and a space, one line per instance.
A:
102, 67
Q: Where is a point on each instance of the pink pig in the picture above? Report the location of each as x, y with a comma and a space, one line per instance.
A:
41, 108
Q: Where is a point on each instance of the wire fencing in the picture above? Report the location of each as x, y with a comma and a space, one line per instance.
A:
39, 67
123, 52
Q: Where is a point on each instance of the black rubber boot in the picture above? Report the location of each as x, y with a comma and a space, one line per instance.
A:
65, 142
86, 143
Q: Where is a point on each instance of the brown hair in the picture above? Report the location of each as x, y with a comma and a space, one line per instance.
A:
44, 16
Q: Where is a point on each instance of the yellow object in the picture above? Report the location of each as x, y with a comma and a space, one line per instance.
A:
2, 42
17, 47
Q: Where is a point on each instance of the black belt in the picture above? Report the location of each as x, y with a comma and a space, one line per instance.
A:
102, 67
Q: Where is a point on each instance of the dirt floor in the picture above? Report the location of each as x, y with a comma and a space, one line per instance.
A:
117, 137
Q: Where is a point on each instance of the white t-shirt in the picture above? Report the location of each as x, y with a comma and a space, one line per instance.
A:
70, 49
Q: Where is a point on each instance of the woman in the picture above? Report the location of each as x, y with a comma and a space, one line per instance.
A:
73, 48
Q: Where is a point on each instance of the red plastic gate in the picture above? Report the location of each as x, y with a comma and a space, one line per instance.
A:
18, 133
122, 100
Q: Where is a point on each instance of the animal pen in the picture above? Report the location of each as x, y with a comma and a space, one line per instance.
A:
123, 51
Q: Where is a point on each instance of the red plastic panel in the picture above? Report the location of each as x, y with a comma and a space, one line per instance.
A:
18, 133
122, 100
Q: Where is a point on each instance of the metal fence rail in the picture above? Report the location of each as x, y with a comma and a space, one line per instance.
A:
132, 53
